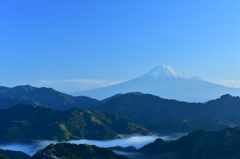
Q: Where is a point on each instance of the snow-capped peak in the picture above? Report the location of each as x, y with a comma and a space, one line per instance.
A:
167, 71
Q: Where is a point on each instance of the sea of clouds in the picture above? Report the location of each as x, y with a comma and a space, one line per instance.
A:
124, 141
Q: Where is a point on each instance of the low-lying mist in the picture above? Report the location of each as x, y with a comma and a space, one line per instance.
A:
136, 141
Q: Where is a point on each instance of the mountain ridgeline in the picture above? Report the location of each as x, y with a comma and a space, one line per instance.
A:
43, 96
168, 83
198, 144
73, 151
8, 154
168, 116
157, 114
42, 123
23, 118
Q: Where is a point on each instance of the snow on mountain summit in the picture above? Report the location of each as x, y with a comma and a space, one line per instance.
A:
166, 82
167, 71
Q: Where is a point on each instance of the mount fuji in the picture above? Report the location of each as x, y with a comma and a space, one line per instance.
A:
166, 82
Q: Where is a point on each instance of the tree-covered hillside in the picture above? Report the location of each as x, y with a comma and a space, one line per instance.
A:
166, 116
73, 151
198, 144
25, 122
8, 154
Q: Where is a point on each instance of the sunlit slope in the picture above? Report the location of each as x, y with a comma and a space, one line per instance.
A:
26, 122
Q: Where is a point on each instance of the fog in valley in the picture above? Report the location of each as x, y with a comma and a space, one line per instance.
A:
124, 141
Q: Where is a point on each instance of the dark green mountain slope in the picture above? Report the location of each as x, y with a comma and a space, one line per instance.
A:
26, 122
168, 126
45, 96
152, 111
3, 157
124, 149
8, 154
10, 101
198, 144
73, 151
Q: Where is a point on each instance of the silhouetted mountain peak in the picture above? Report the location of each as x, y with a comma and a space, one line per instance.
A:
24, 88
226, 96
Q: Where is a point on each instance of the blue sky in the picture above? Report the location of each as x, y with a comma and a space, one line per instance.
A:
78, 45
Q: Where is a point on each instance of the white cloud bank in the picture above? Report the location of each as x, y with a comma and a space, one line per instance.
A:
136, 141
229, 83
73, 85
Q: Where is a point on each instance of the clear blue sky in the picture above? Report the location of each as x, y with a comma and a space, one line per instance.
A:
79, 44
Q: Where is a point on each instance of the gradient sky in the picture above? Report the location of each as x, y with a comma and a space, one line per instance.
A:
78, 45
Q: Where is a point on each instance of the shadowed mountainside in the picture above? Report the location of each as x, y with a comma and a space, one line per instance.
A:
158, 114
198, 144
8, 102
43, 96
161, 114
49, 124
73, 151
8, 154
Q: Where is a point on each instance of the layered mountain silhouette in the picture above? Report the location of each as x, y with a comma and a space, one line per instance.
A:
27, 94
166, 82
156, 113
168, 116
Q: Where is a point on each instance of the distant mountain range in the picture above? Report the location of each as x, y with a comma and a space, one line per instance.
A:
156, 113
166, 116
64, 117
27, 94
21, 123
165, 82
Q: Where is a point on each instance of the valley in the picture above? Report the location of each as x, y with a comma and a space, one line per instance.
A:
123, 118
119, 79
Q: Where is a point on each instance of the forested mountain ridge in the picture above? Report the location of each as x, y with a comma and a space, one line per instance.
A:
22, 123
8, 154
153, 111
198, 144
73, 151
44, 96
